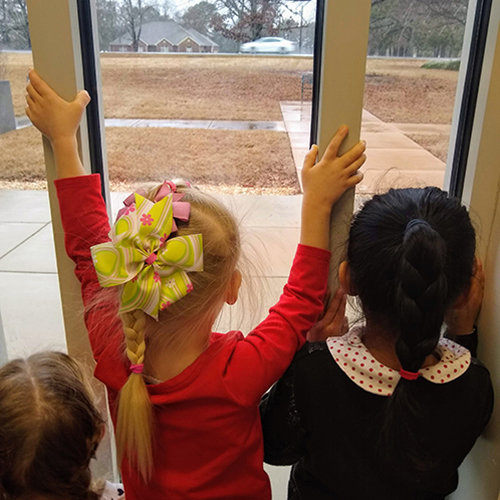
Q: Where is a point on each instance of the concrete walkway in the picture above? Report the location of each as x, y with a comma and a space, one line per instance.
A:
394, 160
28, 279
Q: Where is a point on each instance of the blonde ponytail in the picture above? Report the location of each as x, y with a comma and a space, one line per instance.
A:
134, 429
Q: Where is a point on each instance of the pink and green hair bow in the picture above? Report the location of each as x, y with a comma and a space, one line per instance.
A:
141, 256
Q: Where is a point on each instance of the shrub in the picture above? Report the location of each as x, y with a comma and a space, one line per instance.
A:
448, 65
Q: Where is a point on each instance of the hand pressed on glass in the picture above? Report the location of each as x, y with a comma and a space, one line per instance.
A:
461, 318
324, 183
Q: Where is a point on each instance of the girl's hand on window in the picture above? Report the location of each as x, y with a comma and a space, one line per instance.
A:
54, 117
334, 322
326, 181
462, 316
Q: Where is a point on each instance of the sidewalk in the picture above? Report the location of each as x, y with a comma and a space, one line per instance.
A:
394, 160
28, 273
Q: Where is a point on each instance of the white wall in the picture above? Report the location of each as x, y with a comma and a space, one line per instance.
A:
480, 473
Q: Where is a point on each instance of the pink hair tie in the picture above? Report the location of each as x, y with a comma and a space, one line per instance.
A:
138, 369
172, 185
409, 375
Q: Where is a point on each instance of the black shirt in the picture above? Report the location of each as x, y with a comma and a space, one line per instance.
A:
316, 419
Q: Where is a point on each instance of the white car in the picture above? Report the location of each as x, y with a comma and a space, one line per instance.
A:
270, 44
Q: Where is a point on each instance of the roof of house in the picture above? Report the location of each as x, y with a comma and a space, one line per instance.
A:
155, 32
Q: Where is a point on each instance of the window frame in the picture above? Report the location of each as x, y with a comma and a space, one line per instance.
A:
462, 132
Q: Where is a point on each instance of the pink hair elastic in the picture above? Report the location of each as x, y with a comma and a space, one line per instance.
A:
409, 375
138, 369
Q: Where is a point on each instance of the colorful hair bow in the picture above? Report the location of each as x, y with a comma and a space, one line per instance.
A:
181, 209
141, 256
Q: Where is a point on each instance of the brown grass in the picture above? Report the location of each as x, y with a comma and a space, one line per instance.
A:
200, 88
249, 88
22, 156
252, 160
224, 88
437, 144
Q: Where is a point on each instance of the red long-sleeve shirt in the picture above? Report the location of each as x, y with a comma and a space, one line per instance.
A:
207, 435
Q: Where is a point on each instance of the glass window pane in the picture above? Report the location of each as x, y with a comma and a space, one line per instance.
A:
414, 52
30, 308
225, 107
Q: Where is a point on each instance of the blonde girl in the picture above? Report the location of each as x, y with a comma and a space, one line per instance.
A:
49, 431
185, 400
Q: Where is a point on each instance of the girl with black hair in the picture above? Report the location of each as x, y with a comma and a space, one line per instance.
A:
389, 410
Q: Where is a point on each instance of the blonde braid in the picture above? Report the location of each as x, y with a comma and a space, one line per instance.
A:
134, 427
133, 326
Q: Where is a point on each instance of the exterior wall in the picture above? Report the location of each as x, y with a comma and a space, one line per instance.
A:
164, 46
120, 48
143, 47
188, 44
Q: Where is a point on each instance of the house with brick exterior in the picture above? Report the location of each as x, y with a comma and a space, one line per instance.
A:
166, 36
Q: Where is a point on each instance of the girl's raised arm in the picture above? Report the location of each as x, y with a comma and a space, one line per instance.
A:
83, 211
263, 356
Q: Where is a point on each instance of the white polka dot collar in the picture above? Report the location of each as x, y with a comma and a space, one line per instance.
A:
356, 361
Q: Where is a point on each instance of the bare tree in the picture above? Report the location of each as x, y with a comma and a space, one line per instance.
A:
4, 23
20, 22
108, 21
246, 20
417, 27
448, 11
134, 13
14, 28
199, 17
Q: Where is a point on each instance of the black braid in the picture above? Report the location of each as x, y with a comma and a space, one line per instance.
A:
420, 295
410, 254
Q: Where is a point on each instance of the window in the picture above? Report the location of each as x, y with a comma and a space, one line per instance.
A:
30, 308
414, 56
234, 161
235, 126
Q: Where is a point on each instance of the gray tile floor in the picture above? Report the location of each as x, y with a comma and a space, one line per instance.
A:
30, 305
